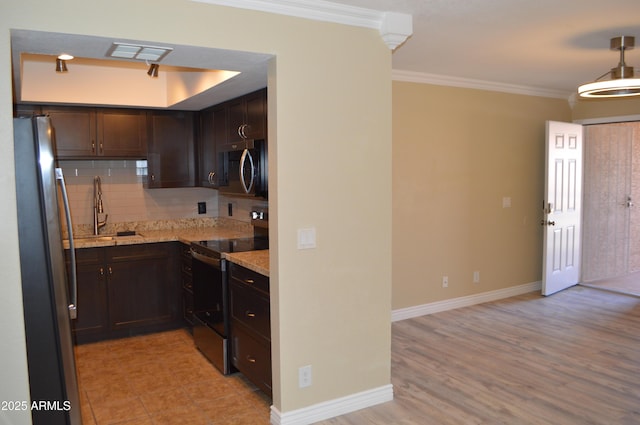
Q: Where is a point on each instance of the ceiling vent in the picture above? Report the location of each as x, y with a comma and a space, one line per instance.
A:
138, 52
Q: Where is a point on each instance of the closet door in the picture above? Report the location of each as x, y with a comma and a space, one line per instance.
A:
608, 150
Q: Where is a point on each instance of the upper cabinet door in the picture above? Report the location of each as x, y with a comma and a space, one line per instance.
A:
74, 131
89, 133
213, 127
246, 118
122, 133
256, 119
171, 155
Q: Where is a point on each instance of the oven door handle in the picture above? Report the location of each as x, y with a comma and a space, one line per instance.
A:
205, 258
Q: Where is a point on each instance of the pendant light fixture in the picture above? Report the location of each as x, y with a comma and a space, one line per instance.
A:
621, 82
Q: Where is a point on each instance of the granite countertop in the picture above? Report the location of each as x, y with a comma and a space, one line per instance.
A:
258, 261
185, 232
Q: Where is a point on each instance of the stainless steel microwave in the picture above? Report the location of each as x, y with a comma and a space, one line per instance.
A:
244, 169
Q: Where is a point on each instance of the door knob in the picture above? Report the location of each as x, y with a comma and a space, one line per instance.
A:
547, 223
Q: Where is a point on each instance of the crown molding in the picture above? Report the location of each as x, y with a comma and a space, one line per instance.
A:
394, 27
445, 80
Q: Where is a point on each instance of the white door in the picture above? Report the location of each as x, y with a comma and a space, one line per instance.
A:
562, 207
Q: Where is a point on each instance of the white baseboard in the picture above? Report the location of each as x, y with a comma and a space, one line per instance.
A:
332, 408
435, 307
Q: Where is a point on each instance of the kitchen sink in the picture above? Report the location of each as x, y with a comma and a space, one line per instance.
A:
95, 238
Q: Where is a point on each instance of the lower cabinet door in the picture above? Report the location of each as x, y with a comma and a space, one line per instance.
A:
92, 323
252, 356
138, 295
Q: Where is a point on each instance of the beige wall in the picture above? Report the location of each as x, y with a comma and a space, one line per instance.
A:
330, 125
601, 108
456, 154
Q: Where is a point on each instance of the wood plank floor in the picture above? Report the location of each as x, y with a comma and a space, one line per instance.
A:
627, 284
571, 358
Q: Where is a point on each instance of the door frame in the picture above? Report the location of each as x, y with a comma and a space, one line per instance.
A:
593, 121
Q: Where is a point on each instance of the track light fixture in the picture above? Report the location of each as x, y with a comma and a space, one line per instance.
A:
153, 70
61, 65
61, 62
621, 82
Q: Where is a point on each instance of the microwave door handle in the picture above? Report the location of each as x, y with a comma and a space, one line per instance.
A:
246, 154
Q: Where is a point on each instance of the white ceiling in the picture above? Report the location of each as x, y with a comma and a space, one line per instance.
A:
545, 45
548, 44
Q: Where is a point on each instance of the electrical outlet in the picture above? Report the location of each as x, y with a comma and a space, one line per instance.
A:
202, 207
445, 281
304, 376
476, 277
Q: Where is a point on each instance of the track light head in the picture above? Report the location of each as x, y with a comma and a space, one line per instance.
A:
153, 70
61, 65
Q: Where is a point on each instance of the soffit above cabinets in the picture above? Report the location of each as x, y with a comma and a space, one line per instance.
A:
190, 78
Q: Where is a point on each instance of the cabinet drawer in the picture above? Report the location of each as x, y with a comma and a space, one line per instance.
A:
187, 307
186, 268
88, 256
251, 308
251, 356
249, 278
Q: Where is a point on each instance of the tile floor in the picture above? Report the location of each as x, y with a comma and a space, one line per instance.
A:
162, 379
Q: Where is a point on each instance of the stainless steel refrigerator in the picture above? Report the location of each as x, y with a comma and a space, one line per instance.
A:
48, 285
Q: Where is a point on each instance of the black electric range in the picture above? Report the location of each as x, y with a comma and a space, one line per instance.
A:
211, 295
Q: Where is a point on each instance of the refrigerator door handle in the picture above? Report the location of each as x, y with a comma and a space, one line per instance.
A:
73, 305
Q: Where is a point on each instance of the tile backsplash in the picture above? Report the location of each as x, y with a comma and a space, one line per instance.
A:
125, 199
123, 196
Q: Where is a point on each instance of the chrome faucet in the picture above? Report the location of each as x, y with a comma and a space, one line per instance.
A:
97, 206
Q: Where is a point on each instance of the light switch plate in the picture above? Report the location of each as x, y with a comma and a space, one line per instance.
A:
307, 238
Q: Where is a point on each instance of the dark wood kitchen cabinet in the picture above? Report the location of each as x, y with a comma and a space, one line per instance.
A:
141, 285
125, 290
90, 133
92, 323
213, 127
171, 160
246, 116
251, 325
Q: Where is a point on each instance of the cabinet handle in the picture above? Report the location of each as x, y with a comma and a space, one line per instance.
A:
110, 271
249, 313
101, 272
251, 359
101, 148
249, 281
153, 177
212, 177
93, 146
